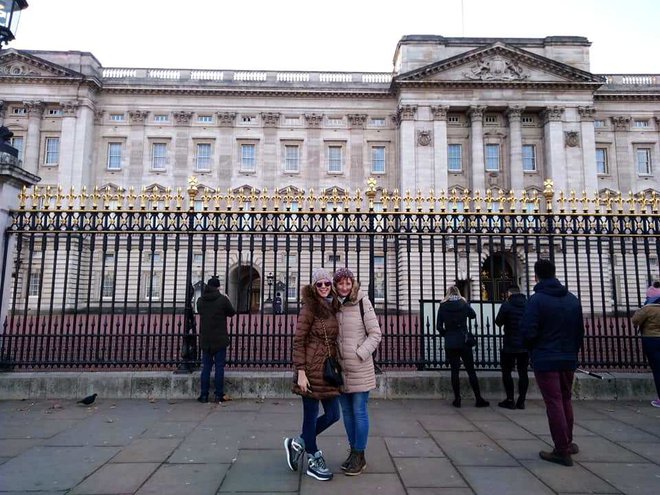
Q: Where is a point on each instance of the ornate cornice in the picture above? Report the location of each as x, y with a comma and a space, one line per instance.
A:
620, 122
406, 112
248, 92
270, 119
314, 120
439, 112
226, 119
357, 120
476, 113
552, 114
514, 113
138, 116
182, 117
35, 108
587, 114
69, 108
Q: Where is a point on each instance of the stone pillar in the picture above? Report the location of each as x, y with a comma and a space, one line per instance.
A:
35, 110
136, 145
84, 171
476, 115
357, 172
441, 182
626, 171
555, 161
3, 112
407, 151
517, 182
315, 149
270, 167
67, 173
588, 133
178, 171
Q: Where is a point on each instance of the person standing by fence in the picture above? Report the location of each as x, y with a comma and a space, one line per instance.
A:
514, 353
647, 319
359, 336
213, 308
553, 329
452, 323
315, 339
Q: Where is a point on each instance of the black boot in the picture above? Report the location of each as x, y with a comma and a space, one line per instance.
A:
345, 465
357, 465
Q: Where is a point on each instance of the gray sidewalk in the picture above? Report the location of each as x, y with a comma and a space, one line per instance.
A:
416, 447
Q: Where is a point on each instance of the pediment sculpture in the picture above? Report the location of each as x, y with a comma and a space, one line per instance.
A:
18, 69
496, 68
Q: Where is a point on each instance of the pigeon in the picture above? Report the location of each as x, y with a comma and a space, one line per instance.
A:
88, 400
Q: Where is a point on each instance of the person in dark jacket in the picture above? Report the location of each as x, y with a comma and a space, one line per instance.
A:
513, 350
314, 340
553, 329
453, 315
213, 308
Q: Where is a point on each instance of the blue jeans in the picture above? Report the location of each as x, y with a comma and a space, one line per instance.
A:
651, 348
356, 418
313, 424
208, 360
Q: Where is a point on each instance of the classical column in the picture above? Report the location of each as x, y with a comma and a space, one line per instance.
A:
476, 115
439, 113
555, 161
623, 169
514, 113
136, 146
180, 170
407, 155
588, 133
269, 166
358, 174
35, 110
315, 149
3, 111
67, 143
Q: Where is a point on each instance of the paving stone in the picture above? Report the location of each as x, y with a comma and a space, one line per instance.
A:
428, 472
335, 451
35, 428
58, 468
116, 478
472, 449
393, 427
381, 484
208, 445
413, 447
147, 450
260, 471
617, 431
501, 430
11, 447
440, 491
598, 449
488, 480
651, 451
169, 429
103, 430
446, 422
523, 449
177, 479
577, 480
631, 479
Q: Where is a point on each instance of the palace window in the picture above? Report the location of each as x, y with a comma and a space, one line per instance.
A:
117, 117
601, 161
599, 124
492, 157
378, 159
19, 110
161, 117
248, 157
641, 124
203, 157
52, 154
35, 284
54, 112
379, 278
158, 156
335, 158
529, 157
152, 284
455, 157
114, 156
18, 142
205, 119
291, 158
377, 122
643, 160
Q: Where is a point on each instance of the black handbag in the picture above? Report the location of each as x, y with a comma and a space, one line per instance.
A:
331, 367
470, 340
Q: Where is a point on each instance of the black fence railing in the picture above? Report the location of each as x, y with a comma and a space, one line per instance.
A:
114, 285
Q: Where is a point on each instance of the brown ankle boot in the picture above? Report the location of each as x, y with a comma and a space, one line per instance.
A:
358, 465
346, 464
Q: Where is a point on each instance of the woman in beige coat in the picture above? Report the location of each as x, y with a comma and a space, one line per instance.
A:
359, 336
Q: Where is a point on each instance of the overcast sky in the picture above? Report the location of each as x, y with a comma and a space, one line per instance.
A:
336, 35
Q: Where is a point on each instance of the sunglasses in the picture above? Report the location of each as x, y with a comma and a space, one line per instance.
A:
323, 284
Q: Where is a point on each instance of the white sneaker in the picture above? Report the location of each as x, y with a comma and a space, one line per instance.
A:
294, 450
316, 467
655, 403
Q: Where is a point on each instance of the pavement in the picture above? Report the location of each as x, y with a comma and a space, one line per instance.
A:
416, 447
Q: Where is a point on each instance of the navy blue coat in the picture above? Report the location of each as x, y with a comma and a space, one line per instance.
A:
452, 322
509, 317
552, 327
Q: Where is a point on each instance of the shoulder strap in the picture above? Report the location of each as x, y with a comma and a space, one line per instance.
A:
362, 310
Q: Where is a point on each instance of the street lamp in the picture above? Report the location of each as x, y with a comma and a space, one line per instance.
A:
269, 279
10, 13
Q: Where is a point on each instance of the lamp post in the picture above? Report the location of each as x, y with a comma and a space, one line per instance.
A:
269, 279
10, 13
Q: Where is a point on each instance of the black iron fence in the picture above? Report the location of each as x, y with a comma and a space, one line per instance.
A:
109, 279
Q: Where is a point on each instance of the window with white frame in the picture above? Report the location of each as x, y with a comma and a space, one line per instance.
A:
114, 156
377, 122
152, 284
643, 160
161, 117
379, 278
292, 278
248, 119
335, 121
453, 119
52, 154
18, 142
117, 117
108, 283
203, 155
54, 112
491, 119
35, 284
599, 124
158, 156
291, 120
641, 124
602, 167
205, 119
248, 157
335, 158
378, 159
492, 158
528, 120
529, 157
19, 110
454, 157
291, 158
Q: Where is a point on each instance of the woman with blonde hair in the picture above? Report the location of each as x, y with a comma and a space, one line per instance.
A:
452, 323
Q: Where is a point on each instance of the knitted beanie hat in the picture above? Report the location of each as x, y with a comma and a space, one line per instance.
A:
214, 281
343, 273
321, 274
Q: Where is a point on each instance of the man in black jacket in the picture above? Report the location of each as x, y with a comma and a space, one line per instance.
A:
213, 308
553, 329
513, 350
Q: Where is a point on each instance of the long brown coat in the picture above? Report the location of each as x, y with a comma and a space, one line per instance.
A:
309, 348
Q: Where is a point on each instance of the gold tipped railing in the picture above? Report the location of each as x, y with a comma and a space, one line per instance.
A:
373, 199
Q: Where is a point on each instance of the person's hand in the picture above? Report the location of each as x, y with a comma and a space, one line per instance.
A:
303, 382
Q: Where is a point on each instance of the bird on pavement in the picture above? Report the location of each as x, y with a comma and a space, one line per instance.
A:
88, 400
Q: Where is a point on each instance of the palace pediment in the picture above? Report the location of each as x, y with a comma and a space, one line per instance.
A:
18, 64
498, 63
